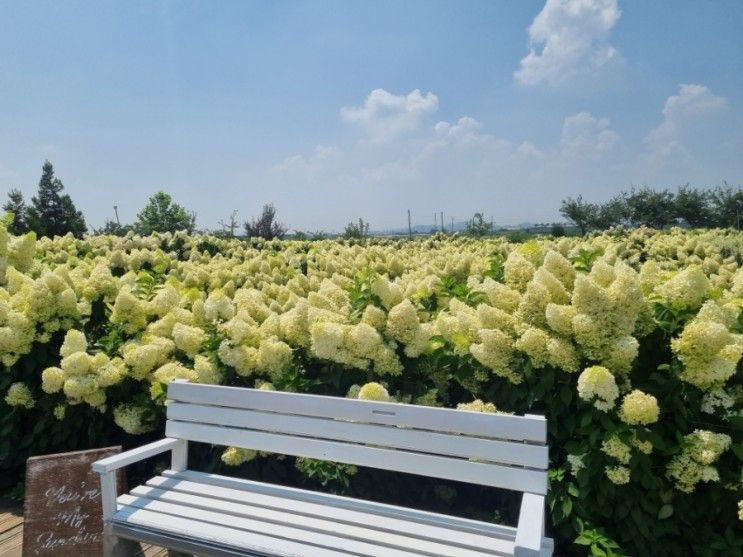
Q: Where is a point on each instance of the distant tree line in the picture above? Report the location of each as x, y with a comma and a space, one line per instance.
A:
718, 207
52, 213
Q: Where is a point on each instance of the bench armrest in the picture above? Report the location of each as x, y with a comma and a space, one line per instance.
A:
108, 466
530, 529
126, 458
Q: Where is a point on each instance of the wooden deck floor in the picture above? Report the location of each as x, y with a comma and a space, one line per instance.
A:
11, 532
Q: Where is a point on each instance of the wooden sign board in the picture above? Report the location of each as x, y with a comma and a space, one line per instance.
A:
62, 509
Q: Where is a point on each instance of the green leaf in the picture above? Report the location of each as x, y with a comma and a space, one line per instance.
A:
738, 450
567, 506
665, 512
566, 395
736, 422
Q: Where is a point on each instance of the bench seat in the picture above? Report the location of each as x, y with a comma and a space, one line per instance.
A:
240, 517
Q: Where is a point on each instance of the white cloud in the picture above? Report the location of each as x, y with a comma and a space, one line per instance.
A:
584, 135
574, 39
690, 118
385, 115
692, 103
466, 126
528, 151
312, 164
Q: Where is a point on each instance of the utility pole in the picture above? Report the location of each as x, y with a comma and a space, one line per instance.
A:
442, 222
452, 225
116, 210
410, 229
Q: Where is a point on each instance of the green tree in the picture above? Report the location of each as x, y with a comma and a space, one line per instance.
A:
17, 206
650, 207
356, 231
693, 206
161, 214
266, 226
53, 213
557, 230
113, 228
726, 205
479, 227
578, 212
611, 213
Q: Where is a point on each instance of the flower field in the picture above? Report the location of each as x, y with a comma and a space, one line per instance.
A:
630, 342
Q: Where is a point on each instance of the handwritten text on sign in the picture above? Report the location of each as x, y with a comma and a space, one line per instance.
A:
62, 512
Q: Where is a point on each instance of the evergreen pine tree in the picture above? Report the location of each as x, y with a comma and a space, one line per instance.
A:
17, 206
53, 213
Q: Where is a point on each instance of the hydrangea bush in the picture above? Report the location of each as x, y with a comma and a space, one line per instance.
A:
630, 342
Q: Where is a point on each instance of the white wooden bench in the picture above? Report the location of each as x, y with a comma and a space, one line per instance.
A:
205, 514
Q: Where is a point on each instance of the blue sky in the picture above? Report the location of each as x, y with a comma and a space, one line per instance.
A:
339, 110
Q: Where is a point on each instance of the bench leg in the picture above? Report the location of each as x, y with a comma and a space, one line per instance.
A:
114, 546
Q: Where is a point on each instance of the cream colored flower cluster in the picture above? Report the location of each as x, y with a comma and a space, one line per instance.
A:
639, 408
20, 395
708, 349
694, 465
81, 376
478, 405
597, 385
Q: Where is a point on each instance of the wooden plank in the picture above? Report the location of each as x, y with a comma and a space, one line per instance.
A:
311, 526
521, 454
135, 455
11, 540
239, 533
11, 528
11, 543
153, 551
494, 475
290, 507
530, 530
330, 500
9, 520
175, 542
499, 426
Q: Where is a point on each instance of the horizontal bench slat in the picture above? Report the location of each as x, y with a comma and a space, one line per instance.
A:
497, 426
326, 500
494, 475
218, 534
521, 454
366, 518
320, 523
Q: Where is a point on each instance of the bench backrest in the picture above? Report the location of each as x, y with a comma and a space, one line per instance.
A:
497, 450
